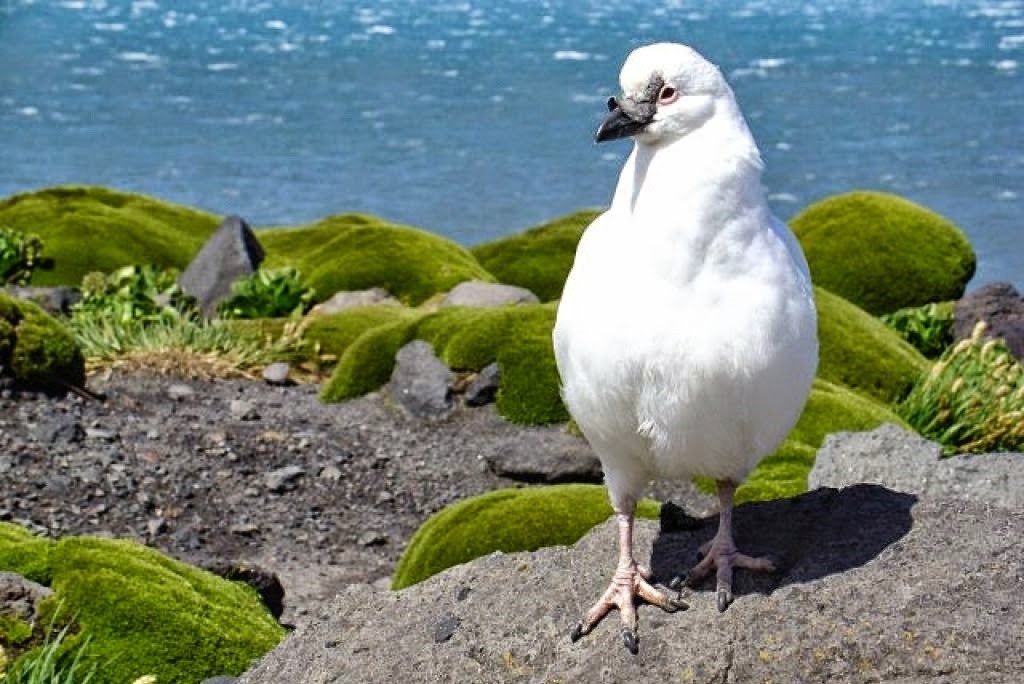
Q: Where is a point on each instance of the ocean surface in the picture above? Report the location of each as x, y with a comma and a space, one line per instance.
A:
475, 119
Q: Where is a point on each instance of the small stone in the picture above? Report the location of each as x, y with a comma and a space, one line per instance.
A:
345, 300
277, 480
444, 628
180, 392
484, 386
277, 374
331, 473
156, 526
101, 434
244, 529
480, 294
241, 409
373, 538
385, 496
421, 382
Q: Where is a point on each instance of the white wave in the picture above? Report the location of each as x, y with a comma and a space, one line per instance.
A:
784, 146
786, 197
140, 6
586, 98
436, 44
28, 111
769, 63
139, 57
73, 4
1005, 65
87, 71
571, 55
288, 47
113, 27
1011, 42
275, 25
221, 66
1007, 195
380, 30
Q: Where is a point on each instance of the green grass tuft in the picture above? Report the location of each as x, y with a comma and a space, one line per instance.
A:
538, 259
883, 252
505, 520
928, 328
972, 400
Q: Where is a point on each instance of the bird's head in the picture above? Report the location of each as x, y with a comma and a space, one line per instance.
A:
668, 91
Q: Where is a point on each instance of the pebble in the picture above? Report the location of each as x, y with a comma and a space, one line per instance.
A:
331, 473
242, 410
180, 392
277, 480
277, 374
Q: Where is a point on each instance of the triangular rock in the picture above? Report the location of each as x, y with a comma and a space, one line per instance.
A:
232, 252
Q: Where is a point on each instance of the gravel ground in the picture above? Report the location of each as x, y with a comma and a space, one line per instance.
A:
241, 471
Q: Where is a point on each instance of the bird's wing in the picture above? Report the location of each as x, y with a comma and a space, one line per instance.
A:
792, 246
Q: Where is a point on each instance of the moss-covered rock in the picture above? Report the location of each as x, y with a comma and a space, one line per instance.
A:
830, 408
336, 332
859, 351
517, 337
358, 252
538, 259
89, 228
505, 520
883, 252
36, 349
145, 613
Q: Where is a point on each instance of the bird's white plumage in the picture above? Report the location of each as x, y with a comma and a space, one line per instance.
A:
686, 334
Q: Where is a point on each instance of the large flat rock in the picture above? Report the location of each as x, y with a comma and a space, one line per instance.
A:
875, 586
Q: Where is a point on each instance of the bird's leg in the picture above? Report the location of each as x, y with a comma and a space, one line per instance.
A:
721, 554
629, 583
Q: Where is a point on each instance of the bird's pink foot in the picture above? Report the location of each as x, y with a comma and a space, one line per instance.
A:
629, 584
720, 555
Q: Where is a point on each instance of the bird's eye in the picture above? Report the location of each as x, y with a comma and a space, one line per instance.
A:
668, 95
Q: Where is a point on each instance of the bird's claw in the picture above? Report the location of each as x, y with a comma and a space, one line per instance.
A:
576, 633
630, 641
677, 582
724, 599
674, 604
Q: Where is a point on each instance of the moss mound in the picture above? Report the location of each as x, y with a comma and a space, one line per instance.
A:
517, 337
861, 352
90, 228
882, 252
145, 613
358, 252
538, 259
505, 520
830, 408
39, 351
336, 332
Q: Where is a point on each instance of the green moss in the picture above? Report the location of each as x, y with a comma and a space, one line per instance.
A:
861, 352
505, 520
830, 408
538, 259
882, 252
145, 613
358, 252
336, 332
89, 228
13, 632
41, 352
518, 337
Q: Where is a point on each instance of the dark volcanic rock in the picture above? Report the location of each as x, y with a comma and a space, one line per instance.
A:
266, 583
542, 457
421, 382
484, 387
232, 252
873, 588
1002, 309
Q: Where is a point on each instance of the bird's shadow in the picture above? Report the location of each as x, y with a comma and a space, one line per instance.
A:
819, 533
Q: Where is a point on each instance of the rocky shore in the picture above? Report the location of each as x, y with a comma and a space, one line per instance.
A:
239, 471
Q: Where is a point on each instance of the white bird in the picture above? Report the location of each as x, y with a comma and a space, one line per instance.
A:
686, 335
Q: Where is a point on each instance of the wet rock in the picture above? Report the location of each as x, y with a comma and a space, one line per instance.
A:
481, 294
421, 382
231, 253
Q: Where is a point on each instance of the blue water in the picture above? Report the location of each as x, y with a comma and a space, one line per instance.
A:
474, 119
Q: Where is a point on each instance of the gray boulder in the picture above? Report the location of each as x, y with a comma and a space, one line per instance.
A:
231, 253
874, 587
481, 294
352, 299
540, 456
907, 462
1002, 309
483, 388
421, 383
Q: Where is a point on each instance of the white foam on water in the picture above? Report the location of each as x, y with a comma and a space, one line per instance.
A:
769, 63
113, 27
571, 55
275, 25
136, 57
588, 98
28, 111
1011, 42
380, 30
784, 146
73, 5
1005, 65
222, 66
436, 44
787, 197
1006, 195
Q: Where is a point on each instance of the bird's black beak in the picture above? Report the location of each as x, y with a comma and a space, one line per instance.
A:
624, 119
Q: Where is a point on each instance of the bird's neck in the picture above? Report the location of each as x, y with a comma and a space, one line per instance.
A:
699, 178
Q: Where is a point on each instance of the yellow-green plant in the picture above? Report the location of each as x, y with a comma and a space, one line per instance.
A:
972, 400
20, 254
928, 327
